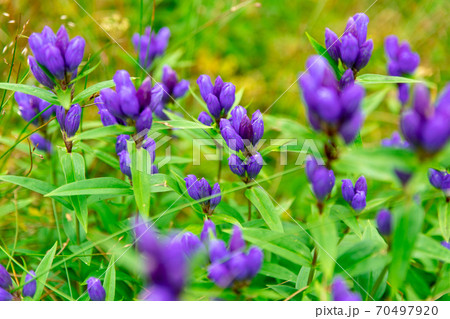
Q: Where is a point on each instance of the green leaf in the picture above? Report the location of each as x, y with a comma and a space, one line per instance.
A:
84, 73
92, 90
110, 280
74, 170
31, 90
141, 166
278, 272
371, 102
323, 52
430, 248
263, 203
346, 215
93, 186
104, 131
34, 185
86, 257
179, 124
408, 219
42, 271
444, 220
383, 79
325, 239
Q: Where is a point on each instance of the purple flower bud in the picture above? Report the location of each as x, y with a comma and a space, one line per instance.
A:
361, 185
350, 128
236, 241
233, 140
445, 244
384, 222
246, 130
125, 162
95, 289
72, 121
237, 114
347, 190
359, 201
121, 143
213, 202
236, 165
209, 230
144, 93
347, 79
394, 68
205, 85
213, 105
62, 39
54, 61
160, 293
254, 165
105, 116
436, 133
74, 53
37, 42
436, 177
391, 46
61, 116
204, 189
169, 77
322, 182
408, 61
310, 167
217, 250
39, 74
190, 243
27, 107
111, 102
257, 126
204, 118
146, 240
41, 143
129, 104
403, 93
349, 50
122, 80
361, 22
351, 98
144, 121
443, 101
340, 292
180, 89
421, 100
192, 187
29, 288
365, 52
42, 105
332, 44
5, 278
403, 176
227, 96
238, 266
328, 105
220, 274
254, 261
150, 146
4, 295
411, 126
218, 85
48, 35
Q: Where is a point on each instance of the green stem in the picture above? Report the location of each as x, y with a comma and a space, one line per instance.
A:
312, 270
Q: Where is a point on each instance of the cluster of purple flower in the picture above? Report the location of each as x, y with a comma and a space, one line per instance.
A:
355, 196
340, 291
333, 106
219, 98
353, 49
28, 290
402, 62
426, 127
440, 180
321, 178
56, 57
29, 107
243, 134
150, 45
199, 189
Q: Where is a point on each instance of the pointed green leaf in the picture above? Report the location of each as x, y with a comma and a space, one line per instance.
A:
93, 186
110, 280
263, 203
42, 271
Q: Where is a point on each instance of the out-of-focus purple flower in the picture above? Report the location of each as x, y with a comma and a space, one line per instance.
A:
125, 162
190, 243
209, 230
355, 196
424, 127
41, 143
401, 62
340, 291
95, 289
128, 105
440, 180
403, 176
4, 295
354, 50
29, 289
332, 106
200, 188
150, 45
59, 55
165, 262
204, 118
5, 278
445, 244
219, 97
233, 265
30, 106
321, 179
395, 141
384, 222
